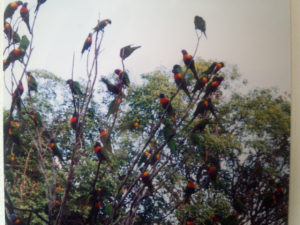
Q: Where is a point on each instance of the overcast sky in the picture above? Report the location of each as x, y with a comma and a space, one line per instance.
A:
254, 35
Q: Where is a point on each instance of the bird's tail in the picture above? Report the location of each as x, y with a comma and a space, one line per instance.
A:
188, 94
37, 7
136, 47
28, 26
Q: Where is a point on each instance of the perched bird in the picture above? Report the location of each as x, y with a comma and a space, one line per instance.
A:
114, 106
131, 125
127, 51
190, 189
10, 158
200, 84
16, 37
32, 84
11, 8
93, 199
17, 220
100, 26
74, 120
101, 153
146, 180
37, 118
123, 77
17, 96
200, 24
25, 15
239, 206
169, 133
105, 139
75, 87
108, 209
24, 43
166, 104
213, 85
115, 89
16, 54
278, 194
122, 191
201, 125
14, 132
154, 158
180, 81
9, 174
144, 157
216, 217
87, 44
196, 141
212, 174
189, 221
55, 150
8, 31
214, 68
189, 62
39, 2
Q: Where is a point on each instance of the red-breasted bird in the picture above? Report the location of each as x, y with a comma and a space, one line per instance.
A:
278, 194
25, 15
200, 84
11, 8
123, 77
180, 81
17, 220
55, 150
32, 84
166, 104
114, 106
17, 96
74, 120
105, 139
127, 51
115, 89
16, 54
189, 221
75, 87
212, 174
189, 190
189, 62
93, 199
216, 217
87, 44
144, 157
214, 68
200, 24
213, 85
39, 2
131, 125
146, 180
101, 153
100, 26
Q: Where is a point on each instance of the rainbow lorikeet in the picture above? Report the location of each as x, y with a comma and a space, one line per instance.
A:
108, 209
25, 15
166, 104
87, 44
8, 31
74, 120
278, 194
24, 43
9, 174
75, 87
55, 150
102, 153
189, 190
213, 85
122, 191
115, 89
105, 139
169, 133
100, 26
214, 68
123, 77
16, 54
154, 158
37, 118
39, 2
10, 158
16, 37
144, 157
146, 180
203, 105
180, 81
17, 96
189, 62
216, 217
230, 220
11, 8
32, 84
127, 51
189, 221
200, 84
239, 206
200, 24
131, 125
201, 125
212, 174
17, 220
114, 106
93, 198
14, 132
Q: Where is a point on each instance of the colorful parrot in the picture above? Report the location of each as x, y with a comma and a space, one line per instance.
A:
17, 96
216, 217
16, 54
127, 51
8, 31
39, 2
11, 8
74, 120
102, 153
125, 80
190, 189
122, 191
75, 87
105, 139
146, 180
200, 24
115, 89
14, 132
32, 84
180, 81
214, 68
212, 174
114, 106
9, 174
87, 44
166, 104
37, 118
190, 221
200, 84
131, 125
25, 15
144, 157
201, 125
169, 133
17, 220
154, 158
100, 26
55, 150
239, 206
16, 37
24, 43
108, 209
189, 62
278, 194
213, 85
93, 199
10, 158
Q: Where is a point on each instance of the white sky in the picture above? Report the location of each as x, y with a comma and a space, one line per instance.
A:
254, 35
